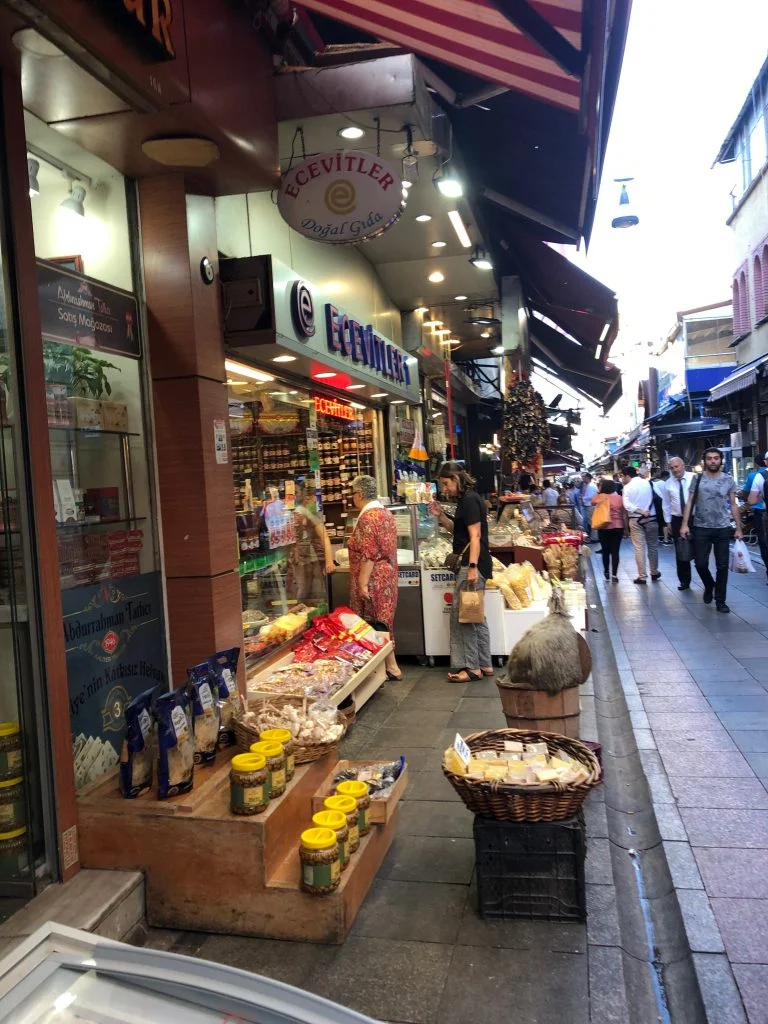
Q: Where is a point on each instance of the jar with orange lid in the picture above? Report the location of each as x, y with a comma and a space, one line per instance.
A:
320, 864
348, 806
275, 756
10, 750
248, 784
284, 736
359, 791
337, 820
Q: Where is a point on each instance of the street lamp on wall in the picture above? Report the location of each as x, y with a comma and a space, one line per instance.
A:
625, 215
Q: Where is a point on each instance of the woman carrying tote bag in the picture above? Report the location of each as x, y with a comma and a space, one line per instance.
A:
610, 521
470, 641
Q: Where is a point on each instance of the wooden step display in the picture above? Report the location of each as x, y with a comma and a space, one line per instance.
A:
213, 871
382, 807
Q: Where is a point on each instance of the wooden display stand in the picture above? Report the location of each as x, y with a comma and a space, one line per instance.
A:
213, 871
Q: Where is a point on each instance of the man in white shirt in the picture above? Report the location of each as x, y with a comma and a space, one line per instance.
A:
674, 496
643, 528
549, 495
586, 494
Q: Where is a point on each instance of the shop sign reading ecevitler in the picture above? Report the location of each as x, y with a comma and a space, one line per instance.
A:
341, 197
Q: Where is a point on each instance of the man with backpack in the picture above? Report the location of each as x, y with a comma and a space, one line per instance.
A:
755, 492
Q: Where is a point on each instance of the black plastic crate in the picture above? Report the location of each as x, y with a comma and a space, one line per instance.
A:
531, 871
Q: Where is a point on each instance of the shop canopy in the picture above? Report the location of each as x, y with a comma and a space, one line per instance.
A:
575, 364
743, 376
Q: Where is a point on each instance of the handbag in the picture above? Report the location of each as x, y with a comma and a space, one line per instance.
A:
471, 605
601, 517
453, 561
683, 549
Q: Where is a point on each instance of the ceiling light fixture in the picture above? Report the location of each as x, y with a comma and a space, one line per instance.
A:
599, 350
460, 228
498, 351
436, 277
485, 334
33, 166
75, 201
442, 330
323, 376
354, 387
380, 394
451, 342
421, 309
605, 330
423, 218
480, 260
438, 245
432, 323
231, 366
356, 405
483, 321
407, 184
397, 401
447, 183
460, 298
284, 359
351, 132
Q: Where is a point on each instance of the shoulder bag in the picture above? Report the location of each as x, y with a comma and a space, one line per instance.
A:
601, 517
453, 561
683, 546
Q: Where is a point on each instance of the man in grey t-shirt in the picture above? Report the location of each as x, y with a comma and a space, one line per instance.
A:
710, 506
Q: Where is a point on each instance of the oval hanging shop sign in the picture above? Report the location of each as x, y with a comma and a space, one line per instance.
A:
341, 197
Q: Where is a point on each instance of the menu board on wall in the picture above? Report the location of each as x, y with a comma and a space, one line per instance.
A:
80, 310
115, 650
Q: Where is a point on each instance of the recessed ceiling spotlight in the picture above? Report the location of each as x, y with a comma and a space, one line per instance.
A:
436, 277
397, 401
421, 309
351, 132
450, 342
498, 351
432, 323
423, 218
447, 183
284, 359
485, 334
460, 298
323, 376
438, 245
356, 405
354, 387
380, 394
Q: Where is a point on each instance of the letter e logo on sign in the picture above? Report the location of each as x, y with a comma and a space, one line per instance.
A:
302, 310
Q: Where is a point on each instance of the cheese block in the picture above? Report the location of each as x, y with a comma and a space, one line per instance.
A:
513, 747
546, 775
517, 768
453, 762
537, 748
535, 760
558, 765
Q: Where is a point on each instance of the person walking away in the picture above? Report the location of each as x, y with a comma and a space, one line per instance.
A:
658, 483
470, 642
373, 563
637, 497
674, 497
549, 494
710, 505
586, 494
755, 487
611, 535
619, 485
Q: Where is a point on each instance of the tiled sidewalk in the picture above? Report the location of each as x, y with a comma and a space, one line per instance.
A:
696, 682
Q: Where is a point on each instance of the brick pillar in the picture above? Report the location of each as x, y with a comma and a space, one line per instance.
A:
186, 353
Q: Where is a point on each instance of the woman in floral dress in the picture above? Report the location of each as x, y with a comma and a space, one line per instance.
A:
373, 563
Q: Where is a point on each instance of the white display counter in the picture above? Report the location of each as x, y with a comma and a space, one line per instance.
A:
437, 587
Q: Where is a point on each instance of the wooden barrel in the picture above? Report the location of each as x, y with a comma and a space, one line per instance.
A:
542, 711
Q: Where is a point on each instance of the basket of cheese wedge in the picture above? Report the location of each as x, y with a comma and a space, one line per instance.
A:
515, 775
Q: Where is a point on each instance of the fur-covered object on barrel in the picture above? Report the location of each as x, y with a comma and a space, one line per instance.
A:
549, 656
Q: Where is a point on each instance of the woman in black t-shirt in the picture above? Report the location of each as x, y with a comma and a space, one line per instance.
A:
470, 643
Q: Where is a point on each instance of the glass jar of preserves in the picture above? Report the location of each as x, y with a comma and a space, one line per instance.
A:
348, 807
10, 750
320, 864
337, 821
13, 853
359, 792
248, 784
12, 808
275, 756
285, 737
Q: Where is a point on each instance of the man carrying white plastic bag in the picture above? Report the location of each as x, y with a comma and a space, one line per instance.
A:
740, 560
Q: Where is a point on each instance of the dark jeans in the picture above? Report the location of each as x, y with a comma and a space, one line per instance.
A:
683, 568
610, 542
758, 518
704, 539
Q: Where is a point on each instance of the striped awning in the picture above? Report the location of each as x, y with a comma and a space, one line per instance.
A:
476, 37
742, 377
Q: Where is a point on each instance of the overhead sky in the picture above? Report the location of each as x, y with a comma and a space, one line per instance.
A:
688, 68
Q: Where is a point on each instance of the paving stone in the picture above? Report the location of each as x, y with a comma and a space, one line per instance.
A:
445, 700
706, 765
470, 721
718, 675
598, 867
644, 739
491, 982
595, 819
607, 996
413, 911
386, 979
670, 824
431, 786
748, 794
289, 962
548, 936
696, 722
713, 738
757, 668
737, 873
700, 922
418, 758
431, 720
602, 916
718, 989
751, 740
429, 859
738, 702
736, 829
651, 762
742, 925
435, 818
752, 980
639, 720
676, 688
732, 688
661, 791
682, 865
746, 720
758, 763
675, 704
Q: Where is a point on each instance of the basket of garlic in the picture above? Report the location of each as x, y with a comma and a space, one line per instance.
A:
316, 726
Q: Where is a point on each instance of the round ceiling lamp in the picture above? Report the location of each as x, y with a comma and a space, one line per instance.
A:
181, 151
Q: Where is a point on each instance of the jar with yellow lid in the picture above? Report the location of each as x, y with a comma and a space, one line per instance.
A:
10, 750
12, 806
13, 853
284, 736
320, 864
358, 790
275, 756
337, 820
248, 784
348, 806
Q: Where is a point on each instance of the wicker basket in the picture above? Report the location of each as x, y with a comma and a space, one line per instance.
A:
349, 710
507, 802
246, 734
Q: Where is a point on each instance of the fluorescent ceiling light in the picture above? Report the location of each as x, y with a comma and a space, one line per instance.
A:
459, 227
231, 366
599, 350
604, 334
351, 132
397, 401
356, 405
460, 298
380, 394
432, 323
323, 376
438, 245
436, 277
423, 218
354, 387
284, 359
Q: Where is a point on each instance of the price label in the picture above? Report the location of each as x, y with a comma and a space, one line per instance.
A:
206, 698
462, 749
